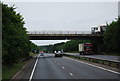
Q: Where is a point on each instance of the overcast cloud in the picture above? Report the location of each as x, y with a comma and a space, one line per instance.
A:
67, 16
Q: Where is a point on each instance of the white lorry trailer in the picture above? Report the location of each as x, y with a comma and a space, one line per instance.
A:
85, 48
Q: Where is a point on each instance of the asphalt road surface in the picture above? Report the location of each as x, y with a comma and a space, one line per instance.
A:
106, 57
49, 67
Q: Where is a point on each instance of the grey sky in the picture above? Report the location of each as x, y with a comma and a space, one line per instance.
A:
68, 16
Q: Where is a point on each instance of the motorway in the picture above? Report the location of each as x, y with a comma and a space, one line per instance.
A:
49, 67
105, 57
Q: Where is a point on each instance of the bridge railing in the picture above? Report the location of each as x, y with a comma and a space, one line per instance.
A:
59, 32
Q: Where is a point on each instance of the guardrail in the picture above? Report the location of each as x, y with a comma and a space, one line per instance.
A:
59, 32
110, 63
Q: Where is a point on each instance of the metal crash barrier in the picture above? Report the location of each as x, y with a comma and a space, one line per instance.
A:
110, 63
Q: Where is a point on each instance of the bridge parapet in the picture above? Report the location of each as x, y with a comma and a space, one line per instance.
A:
63, 35
59, 32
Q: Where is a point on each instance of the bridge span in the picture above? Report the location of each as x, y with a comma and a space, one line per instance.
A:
63, 35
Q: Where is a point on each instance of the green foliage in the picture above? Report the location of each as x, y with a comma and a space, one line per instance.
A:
72, 45
69, 46
34, 48
111, 36
8, 72
16, 44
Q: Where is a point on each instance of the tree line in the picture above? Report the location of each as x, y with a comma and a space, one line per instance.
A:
112, 37
15, 42
110, 43
69, 46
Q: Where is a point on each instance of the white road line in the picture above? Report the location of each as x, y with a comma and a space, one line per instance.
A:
34, 68
63, 67
71, 74
95, 66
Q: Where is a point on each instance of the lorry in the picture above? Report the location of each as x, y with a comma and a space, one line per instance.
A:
85, 48
58, 54
98, 29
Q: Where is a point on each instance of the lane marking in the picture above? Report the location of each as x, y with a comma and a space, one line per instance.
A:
63, 67
34, 68
71, 74
95, 66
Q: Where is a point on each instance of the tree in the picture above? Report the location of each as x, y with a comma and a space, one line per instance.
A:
111, 36
16, 44
69, 46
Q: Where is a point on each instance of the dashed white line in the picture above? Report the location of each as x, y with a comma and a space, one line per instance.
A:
95, 66
71, 74
63, 67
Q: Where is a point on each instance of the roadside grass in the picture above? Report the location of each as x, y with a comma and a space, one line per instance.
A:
113, 54
9, 71
32, 54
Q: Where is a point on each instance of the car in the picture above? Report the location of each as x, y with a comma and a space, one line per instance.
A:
41, 53
58, 54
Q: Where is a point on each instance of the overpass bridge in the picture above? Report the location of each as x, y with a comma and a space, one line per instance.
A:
63, 35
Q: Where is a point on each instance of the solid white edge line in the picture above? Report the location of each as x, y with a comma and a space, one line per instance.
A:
95, 66
34, 68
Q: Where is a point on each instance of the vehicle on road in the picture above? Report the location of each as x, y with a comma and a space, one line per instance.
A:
85, 48
98, 29
41, 53
58, 54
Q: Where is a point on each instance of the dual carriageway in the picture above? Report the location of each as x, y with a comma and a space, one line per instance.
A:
49, 68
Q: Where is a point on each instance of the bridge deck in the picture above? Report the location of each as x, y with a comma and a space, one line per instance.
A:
64, 36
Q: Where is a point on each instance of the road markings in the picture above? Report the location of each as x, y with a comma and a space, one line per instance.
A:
63, 67
95, 66
71, 74
34, 68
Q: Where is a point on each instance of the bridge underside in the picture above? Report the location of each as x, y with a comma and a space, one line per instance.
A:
64, 37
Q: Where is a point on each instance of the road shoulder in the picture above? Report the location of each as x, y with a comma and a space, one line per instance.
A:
26, 70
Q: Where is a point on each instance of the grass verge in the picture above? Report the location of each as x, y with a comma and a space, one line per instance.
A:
32, 54
113, 54
9, 71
